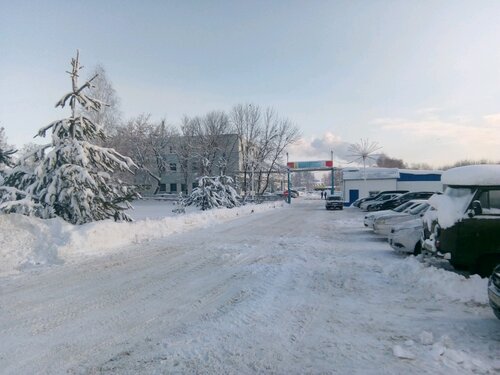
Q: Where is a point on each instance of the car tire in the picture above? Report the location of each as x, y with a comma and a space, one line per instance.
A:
497, 313
418, 249
485, 265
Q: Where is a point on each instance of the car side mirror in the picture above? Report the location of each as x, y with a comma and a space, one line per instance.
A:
476, 209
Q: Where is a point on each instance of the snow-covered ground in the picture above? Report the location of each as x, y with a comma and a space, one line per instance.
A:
259, 289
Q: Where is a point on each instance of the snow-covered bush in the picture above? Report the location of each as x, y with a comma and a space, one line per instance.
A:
213, 192
6, 153
73, 179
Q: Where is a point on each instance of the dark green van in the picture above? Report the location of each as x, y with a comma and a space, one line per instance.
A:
466, 223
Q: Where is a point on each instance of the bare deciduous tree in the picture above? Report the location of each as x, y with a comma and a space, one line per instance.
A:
387, 162
109, 118
264, 137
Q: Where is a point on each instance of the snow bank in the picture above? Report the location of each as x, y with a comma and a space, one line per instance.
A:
27, 242
440, 284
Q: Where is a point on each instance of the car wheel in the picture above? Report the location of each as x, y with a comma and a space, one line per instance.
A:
497, 313
418, 248
485, 265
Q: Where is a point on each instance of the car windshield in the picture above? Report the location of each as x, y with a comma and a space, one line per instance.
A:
403, 206
419, 209
461, 197
384, 197
333, 198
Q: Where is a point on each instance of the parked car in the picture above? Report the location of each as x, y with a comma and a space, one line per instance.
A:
334, 202
293, 193
494, 291
394, 202
465, 226
358, 202
407, 236
367, 205
384, 224
405, 207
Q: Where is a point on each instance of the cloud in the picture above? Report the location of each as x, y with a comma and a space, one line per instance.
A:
485, 133
493, 119
319, 148
443, 140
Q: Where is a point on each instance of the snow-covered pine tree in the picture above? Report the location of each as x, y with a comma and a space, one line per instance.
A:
74, 177
12, 199
6, 153
213, 192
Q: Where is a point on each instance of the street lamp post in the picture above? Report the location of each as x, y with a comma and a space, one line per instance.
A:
289, 195
332, 190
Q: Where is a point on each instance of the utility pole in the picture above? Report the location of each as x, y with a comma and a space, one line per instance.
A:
333, 175
289, 195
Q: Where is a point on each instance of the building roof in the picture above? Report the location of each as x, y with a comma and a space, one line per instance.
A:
391, 173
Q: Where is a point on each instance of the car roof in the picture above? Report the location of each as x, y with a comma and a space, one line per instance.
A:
473, 175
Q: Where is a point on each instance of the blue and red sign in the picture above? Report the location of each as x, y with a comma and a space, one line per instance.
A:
319, 164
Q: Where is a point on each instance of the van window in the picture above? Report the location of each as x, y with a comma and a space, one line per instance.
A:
490, 202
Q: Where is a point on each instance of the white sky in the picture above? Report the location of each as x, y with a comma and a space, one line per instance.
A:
420, 78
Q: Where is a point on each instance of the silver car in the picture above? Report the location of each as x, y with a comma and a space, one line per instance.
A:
407, 236
405, 207
384, 224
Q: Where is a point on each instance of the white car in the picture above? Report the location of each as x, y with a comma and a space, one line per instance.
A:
405, 207
407, 236
365, 206
383, 224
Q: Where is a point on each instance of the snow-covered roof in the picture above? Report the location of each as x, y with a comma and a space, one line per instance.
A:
483, 175
387, 173
370, 173
420, 171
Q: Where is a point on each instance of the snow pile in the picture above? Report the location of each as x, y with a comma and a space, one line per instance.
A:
450, 210
441, 351
27, 242
439, 283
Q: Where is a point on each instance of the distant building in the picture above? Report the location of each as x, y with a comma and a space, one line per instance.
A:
184, 165
182, 169
360, 183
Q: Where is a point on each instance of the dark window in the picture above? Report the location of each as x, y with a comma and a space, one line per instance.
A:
163, 187
173, 188
173, 166
490, 202
184, 188
195, 185
194, 166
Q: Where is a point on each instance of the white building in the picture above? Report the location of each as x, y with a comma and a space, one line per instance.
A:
359, 183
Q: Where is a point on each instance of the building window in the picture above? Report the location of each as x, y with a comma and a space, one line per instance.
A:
184, 188
163, 187
173, 188
195, 185
194, 166
173, 166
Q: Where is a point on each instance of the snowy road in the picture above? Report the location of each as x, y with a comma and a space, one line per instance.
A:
293, 290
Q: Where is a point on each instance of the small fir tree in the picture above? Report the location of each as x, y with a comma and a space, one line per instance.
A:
74, 178
6, 153
12, 199
213, 192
